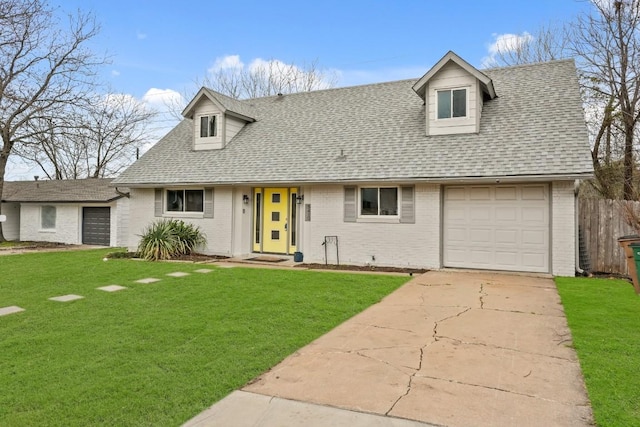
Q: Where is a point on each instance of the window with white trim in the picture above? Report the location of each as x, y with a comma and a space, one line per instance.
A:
451, 103
379, 201
208, 126
185, 201
48, 217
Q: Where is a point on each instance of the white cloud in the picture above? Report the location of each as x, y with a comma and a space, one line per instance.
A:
115, 73
120, 99
140, 35
259, 64
225, 63
504, 43
168, 105
162, 97
275, 69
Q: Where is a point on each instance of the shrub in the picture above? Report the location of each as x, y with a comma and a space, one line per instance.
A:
189, 237
169, 238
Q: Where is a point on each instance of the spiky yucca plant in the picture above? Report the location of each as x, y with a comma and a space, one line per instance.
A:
168, 238
189, 237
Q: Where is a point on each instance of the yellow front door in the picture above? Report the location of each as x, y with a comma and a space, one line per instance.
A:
276, 202
275, 220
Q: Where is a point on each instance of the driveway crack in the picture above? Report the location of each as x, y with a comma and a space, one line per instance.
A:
402, 396
533, 396
482, 295
436, 324
497, 347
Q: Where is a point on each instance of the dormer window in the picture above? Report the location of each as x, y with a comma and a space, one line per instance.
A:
452, 103
208, 126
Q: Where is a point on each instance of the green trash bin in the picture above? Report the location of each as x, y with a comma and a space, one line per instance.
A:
635, 247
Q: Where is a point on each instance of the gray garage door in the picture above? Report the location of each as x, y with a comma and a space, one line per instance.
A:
96, 226
497, 227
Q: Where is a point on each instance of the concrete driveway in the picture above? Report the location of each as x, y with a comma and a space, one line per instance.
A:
447, 348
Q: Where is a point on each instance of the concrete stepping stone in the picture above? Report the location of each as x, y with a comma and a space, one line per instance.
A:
148, 280
66, 298
178, 274
204, 270
4, 311
111, 288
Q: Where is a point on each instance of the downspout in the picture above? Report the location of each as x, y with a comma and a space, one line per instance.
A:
233, 222
576, 190
127, 195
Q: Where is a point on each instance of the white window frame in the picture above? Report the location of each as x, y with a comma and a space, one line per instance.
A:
379, 216
184, 197
466, 110
44, 226
208, 117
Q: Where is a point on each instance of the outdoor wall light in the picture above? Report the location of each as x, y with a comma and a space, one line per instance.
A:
245, 199
300, 199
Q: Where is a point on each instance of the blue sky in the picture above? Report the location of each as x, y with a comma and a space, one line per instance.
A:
159, 49
169, 44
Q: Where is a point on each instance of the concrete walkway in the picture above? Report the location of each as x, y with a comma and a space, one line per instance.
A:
448, 348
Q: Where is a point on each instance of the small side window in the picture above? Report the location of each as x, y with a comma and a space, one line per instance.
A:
48, 217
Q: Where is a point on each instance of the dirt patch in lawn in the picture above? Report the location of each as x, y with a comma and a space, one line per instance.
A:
13, 247
195, 257
371, 268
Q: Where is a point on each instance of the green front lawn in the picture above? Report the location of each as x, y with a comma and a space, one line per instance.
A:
153, 354
604, 317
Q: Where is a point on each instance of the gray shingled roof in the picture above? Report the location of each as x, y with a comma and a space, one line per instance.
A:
535, 127
94, 190
232, 104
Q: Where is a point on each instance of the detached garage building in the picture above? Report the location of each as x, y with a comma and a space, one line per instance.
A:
83, 211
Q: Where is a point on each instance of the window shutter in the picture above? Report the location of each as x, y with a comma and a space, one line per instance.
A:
407, 209
158, 202
350, 204
208, 203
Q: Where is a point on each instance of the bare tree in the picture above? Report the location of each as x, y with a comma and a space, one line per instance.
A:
606, 46
261, 78
44, 67
547, 44
95, 140
267, 78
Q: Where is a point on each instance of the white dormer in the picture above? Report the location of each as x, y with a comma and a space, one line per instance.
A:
216, 119
453, 92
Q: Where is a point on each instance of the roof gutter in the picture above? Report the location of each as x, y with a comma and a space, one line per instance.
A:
497, 179
576, 191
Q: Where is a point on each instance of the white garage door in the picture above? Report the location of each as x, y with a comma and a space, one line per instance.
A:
497, 227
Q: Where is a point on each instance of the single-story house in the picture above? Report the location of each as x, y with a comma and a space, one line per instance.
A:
82, 211
459, 168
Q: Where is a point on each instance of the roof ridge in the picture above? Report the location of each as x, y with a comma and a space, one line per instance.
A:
306, 92
530, 64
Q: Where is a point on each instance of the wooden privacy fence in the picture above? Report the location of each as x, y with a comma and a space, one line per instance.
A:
601, 223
